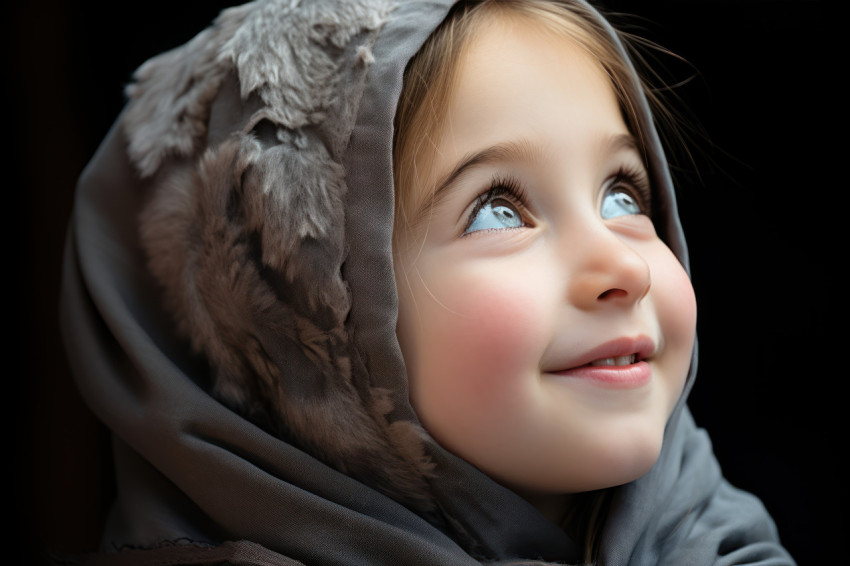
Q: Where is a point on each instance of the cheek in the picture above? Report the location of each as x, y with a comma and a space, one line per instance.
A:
676, 310
490, 337
476, 346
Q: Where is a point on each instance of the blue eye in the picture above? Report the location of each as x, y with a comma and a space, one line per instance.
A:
501, 207
619, 202
627, 194
496, 214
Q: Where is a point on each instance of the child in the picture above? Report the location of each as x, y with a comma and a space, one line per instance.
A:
466, 338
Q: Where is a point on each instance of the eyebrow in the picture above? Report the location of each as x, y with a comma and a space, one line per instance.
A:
622, 142
521, 150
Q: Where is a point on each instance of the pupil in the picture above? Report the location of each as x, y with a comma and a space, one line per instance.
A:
504, 213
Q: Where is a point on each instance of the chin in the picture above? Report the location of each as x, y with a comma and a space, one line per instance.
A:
628, 458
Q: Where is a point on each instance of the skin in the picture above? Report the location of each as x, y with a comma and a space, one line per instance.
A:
489, 318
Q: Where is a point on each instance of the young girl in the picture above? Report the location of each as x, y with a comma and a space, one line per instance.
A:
395, 283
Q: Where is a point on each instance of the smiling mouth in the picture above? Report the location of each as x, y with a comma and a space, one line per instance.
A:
622, 363
615, 372
615, 361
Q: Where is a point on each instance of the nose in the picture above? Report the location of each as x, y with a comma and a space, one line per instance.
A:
607, 272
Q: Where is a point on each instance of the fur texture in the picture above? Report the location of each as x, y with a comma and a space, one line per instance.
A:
246, 235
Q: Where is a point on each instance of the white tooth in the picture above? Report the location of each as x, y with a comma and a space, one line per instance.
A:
615, 361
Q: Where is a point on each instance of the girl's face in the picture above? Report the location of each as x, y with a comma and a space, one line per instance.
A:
546, 328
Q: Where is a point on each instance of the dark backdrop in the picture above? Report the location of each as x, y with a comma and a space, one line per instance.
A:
761, 202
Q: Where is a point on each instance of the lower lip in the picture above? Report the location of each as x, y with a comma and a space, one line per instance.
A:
615, 377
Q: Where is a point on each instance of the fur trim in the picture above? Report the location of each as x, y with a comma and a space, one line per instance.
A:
247, 237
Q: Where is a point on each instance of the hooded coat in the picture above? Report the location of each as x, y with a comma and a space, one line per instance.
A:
229, 310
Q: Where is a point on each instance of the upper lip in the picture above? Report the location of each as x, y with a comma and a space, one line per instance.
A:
642, 346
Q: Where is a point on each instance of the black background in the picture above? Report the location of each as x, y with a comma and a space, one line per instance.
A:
761, 201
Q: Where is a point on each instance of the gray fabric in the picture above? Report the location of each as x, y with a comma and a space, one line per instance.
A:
230, 248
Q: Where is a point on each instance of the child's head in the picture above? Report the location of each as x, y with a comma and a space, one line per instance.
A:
546, 328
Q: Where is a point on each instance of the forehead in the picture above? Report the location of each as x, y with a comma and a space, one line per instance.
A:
514, 82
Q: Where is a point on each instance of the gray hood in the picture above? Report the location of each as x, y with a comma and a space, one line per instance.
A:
229, 310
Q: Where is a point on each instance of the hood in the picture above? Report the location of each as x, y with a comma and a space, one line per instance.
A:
229, 311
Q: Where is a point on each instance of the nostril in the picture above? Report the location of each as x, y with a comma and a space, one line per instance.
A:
612, 293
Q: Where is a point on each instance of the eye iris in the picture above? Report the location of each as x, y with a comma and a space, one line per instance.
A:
498, 213
626, 201
619, 203
507, 215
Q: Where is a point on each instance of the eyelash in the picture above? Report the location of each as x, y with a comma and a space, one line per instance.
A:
500, 187
636, 179
633, 177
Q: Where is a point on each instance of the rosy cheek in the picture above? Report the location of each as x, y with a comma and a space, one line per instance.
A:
482, 341
494, 337
676, 310
679, 310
